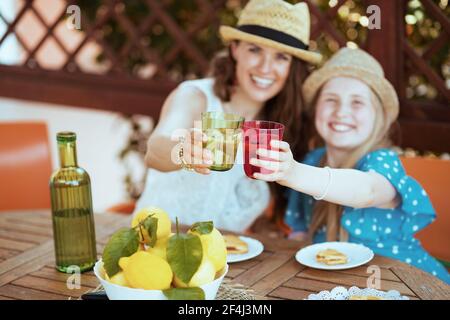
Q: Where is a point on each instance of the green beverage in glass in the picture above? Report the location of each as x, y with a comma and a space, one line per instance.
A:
223, 131
72, 214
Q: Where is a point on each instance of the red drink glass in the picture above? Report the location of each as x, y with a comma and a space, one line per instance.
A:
258, 134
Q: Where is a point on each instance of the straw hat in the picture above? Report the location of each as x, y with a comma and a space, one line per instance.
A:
276, 24
354, 63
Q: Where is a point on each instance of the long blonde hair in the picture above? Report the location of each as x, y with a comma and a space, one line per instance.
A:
329, 214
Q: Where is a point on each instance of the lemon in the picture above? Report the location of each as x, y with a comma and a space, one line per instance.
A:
160, 247
146, 271
214, 248
204, 274
119, 279
123, 262
164, 223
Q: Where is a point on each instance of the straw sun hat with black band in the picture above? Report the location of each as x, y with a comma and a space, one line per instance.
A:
354, 63
276, 24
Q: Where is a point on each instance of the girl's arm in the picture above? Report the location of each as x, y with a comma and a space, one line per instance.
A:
347, 187
180, 110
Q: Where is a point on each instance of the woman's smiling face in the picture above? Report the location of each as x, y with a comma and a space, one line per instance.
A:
261, 71
345, 115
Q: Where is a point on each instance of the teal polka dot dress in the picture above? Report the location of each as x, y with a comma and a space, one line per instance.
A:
388, 232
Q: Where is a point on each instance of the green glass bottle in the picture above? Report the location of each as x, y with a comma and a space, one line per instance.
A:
72, 214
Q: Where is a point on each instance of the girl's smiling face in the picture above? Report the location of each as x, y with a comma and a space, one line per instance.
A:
345, 114
261, 71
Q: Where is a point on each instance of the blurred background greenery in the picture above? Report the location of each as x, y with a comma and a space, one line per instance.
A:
351, 23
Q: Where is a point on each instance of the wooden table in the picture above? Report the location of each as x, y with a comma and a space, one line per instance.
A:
27, 266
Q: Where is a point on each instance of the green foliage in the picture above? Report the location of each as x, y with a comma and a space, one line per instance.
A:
422, 29
123, 243
184, 254
203, 227
151, 225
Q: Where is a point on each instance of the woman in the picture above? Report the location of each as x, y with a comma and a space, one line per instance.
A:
258, 79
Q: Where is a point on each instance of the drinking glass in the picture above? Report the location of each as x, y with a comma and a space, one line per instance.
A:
258, 134
223, 131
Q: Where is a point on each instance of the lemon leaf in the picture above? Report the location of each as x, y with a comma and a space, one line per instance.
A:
184, 254
194, 293
203, 227
151, 225
122, 243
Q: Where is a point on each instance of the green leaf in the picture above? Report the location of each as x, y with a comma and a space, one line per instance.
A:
151, 225
203, 227
194, 293
184, 254
122, 243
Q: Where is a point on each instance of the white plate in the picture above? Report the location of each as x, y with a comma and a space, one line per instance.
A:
357, 255
255, 247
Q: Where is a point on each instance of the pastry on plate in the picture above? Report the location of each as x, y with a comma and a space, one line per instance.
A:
331, 257
235, 245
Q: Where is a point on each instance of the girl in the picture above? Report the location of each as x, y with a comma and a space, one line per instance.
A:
355, 188
258, 78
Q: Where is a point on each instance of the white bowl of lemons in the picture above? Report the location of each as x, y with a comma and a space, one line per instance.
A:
149, 262
118, 292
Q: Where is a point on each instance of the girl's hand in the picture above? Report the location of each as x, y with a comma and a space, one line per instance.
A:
193, 153
280, 162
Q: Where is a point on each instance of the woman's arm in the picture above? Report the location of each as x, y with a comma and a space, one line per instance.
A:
348, 187
180, 110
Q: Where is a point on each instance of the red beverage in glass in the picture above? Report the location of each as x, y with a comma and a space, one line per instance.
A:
258, 134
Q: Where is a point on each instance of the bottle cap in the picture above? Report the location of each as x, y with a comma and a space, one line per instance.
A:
66, 136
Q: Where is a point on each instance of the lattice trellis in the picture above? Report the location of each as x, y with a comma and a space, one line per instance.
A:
183, 39
322, 23
418, 60
114, 10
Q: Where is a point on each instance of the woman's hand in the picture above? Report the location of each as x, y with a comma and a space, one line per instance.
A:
194, 155
280, 162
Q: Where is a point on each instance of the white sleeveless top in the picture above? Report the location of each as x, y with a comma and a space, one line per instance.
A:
230, 199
